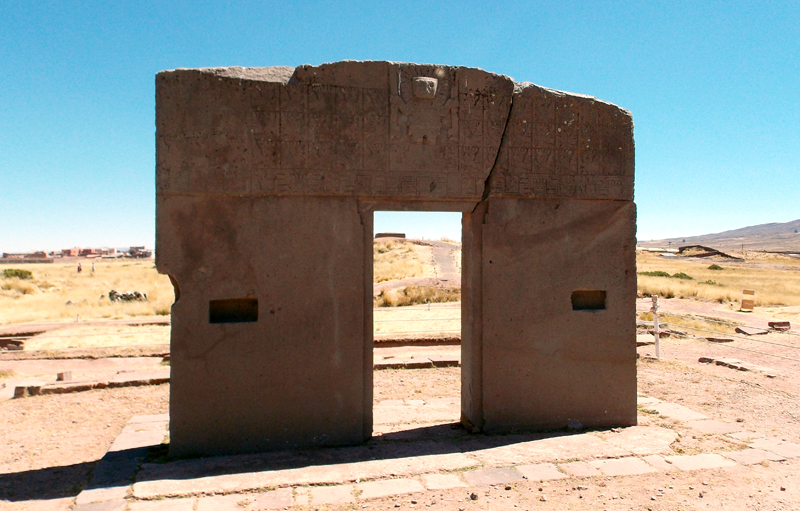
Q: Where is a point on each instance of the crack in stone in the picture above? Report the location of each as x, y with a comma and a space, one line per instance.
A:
487, 183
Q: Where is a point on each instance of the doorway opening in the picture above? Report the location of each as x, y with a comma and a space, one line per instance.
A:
416, 317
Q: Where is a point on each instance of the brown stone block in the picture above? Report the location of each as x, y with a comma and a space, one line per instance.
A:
536, 279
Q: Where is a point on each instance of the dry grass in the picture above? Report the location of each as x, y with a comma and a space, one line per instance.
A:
399, 259
417, 321
416, 295
775, 284
696, 325
58, 293
94, 337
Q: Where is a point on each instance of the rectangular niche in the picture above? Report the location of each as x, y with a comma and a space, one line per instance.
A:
233, 310
588, 300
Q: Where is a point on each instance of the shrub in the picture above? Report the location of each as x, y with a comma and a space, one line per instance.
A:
415, 295
682, 276
657, 273
20, 274
715, 267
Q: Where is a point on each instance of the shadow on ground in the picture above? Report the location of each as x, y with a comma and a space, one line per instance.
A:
46, 483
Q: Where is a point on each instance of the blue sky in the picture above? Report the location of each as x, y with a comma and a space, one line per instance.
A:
713, 87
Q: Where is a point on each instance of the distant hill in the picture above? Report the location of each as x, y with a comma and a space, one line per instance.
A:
769, 237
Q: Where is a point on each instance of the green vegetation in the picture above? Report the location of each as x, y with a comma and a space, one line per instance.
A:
715, 267
659, 273
20, 274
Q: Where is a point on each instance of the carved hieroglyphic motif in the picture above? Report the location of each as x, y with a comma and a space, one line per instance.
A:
560, 145
361, 128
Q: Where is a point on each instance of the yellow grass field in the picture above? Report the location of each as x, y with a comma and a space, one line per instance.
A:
776, 280
395, 259
57, 292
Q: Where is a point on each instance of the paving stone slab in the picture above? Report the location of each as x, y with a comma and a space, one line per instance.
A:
342, 494
699, 461
642, 440
443, 481
102, 494
746, 435
443, 402
677, 412
622, 466
387, 488
658, 462
753, 456
164, 505
579, 469
786, 449
275, 499
328, 466
137, 439
712, 427
109, 505
492, 476
541, 472
235, 502
550, 448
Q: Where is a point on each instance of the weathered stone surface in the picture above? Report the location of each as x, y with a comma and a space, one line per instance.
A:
780, 447
642, 440
622, 466
386, 488
580, 469
109, 505
556, 448
275, 499
328, 466
711, 427
253, 165
658, 462
541, 472
753, 456
442, 481
342, 494
164, 505
541, 252
492, 476
699, 461
677, 412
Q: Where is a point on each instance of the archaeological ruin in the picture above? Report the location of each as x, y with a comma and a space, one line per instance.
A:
267, 180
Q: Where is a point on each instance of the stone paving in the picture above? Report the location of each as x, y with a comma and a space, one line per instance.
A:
415, 449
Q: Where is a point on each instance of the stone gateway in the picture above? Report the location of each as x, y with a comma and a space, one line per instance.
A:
267, 180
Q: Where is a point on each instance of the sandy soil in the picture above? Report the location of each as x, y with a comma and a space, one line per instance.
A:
50, 444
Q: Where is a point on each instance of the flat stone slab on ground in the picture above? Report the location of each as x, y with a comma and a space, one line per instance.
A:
442, 481
492, 476
622, 466
644, 400
753, 456
328, 466
389, 487
712, 427
234, 502
746, 435
580, 469
109, 505
547, 449
786, 449
342, 494
658, 462
642, 440
165, 505
699, 461
275, 499
677, 412
541, 472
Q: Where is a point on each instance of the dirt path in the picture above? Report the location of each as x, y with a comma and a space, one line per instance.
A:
446, 274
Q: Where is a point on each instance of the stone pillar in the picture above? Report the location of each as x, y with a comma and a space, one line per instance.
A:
557, 339
268, 346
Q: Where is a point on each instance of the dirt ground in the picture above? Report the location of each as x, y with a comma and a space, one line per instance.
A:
50, 444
